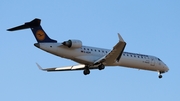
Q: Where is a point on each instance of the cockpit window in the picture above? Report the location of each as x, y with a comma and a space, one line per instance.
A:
159, 59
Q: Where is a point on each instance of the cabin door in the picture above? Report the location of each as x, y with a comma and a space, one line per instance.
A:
152, 61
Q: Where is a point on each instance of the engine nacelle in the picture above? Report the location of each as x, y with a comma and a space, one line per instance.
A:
73, 43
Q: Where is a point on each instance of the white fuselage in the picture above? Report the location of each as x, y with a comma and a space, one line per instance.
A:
88, 55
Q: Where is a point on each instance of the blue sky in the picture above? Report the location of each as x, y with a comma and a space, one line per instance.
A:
148, 27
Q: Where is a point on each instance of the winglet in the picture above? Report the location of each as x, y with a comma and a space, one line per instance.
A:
40, 67
120, 38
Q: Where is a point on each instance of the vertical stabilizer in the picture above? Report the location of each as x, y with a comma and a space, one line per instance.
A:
37, 30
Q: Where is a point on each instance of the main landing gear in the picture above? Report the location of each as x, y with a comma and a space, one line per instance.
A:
87, 71
101, 67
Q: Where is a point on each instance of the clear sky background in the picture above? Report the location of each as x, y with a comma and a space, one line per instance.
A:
149, 27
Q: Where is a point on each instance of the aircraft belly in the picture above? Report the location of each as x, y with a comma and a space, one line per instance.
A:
136, 63
85, 59
76, 55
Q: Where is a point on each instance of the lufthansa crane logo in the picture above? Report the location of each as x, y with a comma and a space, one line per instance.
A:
40, 35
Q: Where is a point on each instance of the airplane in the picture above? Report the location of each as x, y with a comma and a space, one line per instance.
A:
91, 57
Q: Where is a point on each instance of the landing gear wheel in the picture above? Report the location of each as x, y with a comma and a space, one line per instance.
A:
160, 76
86, 71
100, 67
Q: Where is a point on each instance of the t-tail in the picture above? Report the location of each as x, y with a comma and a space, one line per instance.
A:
37, 30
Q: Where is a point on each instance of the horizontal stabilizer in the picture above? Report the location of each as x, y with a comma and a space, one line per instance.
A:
34, 23
37, 30
18, 28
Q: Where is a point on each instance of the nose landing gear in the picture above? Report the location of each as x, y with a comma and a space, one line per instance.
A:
160, 74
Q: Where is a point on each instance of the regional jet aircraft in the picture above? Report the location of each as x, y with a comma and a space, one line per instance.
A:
91, 57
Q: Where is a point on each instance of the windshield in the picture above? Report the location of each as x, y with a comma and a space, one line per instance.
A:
159, 59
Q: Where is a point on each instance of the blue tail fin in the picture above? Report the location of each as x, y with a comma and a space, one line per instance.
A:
37, 30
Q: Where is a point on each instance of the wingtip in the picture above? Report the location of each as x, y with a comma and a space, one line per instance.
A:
120, 38
39, 67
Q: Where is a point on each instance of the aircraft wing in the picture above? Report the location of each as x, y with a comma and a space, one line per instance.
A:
114, 54
66, 68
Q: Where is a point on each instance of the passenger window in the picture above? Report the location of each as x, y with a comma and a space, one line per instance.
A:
99, 50
84, 48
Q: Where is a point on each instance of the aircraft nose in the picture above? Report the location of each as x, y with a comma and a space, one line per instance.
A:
37, 45
167, 69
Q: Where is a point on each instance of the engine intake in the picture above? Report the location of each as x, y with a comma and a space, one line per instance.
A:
73, 43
